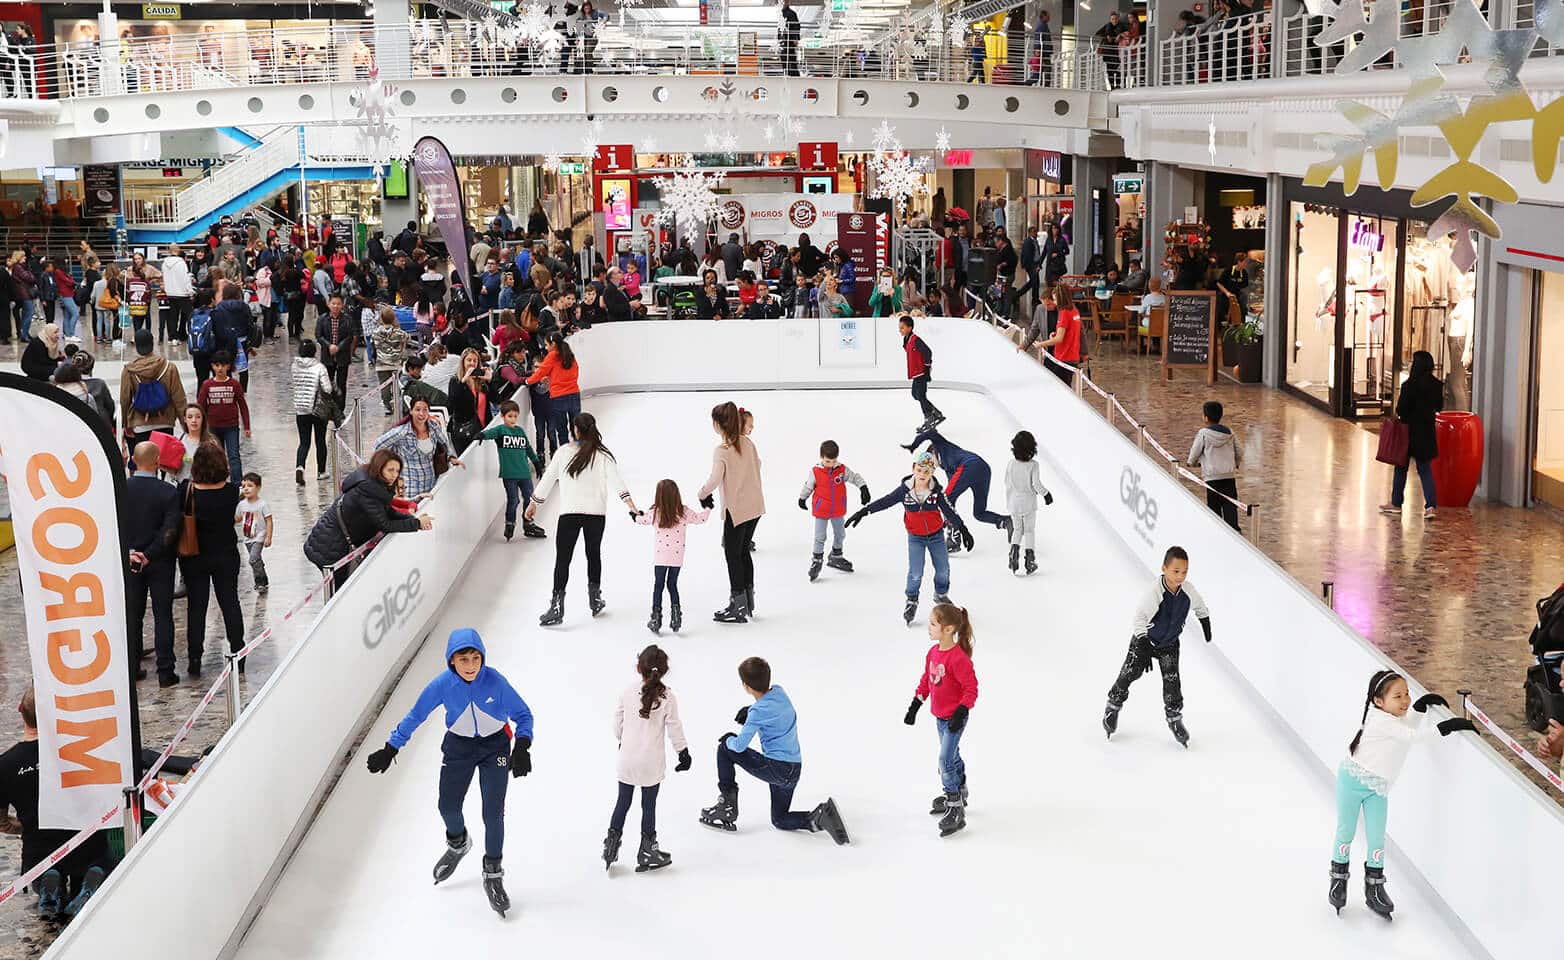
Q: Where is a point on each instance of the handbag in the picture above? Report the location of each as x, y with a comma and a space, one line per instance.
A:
189, 543
325, 407
1395, 439
170, 451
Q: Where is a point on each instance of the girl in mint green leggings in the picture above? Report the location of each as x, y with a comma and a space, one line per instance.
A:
1374, 759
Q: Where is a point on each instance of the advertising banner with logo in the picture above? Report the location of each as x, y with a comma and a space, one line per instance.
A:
866, 238
100, 190
645, 233
782, 216
436, 176
67, 483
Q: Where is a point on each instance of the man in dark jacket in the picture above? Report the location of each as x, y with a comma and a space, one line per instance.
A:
732, 257
336, 331
615, 301
231, 324
150, 534
407, 240
1031, 262
363, 510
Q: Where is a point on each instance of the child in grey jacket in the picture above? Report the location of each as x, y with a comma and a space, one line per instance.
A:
1217, 452
1023, 482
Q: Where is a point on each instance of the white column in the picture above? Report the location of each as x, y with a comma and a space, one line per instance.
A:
393, 42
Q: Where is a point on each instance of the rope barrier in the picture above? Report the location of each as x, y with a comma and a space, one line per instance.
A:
1530, 759
47, 863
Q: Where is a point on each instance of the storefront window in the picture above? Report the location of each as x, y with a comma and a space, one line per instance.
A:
1372, 244
1437, 311
1311, 311
1548, 455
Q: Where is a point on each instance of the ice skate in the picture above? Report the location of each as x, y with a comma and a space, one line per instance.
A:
1339, 874
675, 618
932, 420
826, 817
723, 814
733, 612
510, 529
611, 848
942, 598
494, 886
814, 566
655, 624
955, 817
937, 808
455, 850
1180, 732
1031, 562
532, 531
1015, 558
749, 601
1110, 720
595, 598
910, 610
556, 610
952, 541
649, 857
1374, 891
838, 562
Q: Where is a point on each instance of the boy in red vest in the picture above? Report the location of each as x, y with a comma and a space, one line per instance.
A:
920, 367
825, 496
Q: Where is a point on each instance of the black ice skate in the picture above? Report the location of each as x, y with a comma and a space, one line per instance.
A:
815, 563
1110, 720
655, 624
455, 850
839, 562
595, 598
611, 848
1374, 891
942, 598
749, 601
1015, 558
723, 814
1031, 562
649, 857
1339, 874
1180, 732
932, 420
510, 529
952, 541
826, 817
955, 816
556, 610
675, 618
532, 531
910, 610
937, 808
494, 886
733, 612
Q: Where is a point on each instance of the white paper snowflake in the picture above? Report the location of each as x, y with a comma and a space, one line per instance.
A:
535, 26
884, 139
898, 176
942, 140
552, 161
769, 131
690, 200
848, 139
591, 139
649, 145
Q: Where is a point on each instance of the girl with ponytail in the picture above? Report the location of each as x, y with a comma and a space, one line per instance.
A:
949, 679
646, 713
735, 468
1374, 759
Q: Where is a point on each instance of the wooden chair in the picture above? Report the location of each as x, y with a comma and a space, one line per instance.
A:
1156, 327
1105, 324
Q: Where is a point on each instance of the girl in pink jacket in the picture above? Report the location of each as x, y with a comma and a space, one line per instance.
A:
646, 713
670, 516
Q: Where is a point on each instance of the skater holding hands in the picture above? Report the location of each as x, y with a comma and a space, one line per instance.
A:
670, 516
950, 685
825, 496
1373, 761
1159, 621
481, 710
1023, 483
735, 468
646, 713
925, 512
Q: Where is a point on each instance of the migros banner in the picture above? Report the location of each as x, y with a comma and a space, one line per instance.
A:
782, 216
65, 479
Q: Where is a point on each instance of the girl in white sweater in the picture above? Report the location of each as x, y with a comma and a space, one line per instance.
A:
646, 713
1374, 760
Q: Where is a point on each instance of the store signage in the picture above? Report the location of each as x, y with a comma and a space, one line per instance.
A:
1128, 183
1045, 165
614, 157
160, 11
572, 167
958, 158
442, 190
616, 203
817, 155
780, 216
1191, 333
1366, 239
100, 190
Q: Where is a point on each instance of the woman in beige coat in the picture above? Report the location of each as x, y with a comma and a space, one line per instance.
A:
735, 467
646, 713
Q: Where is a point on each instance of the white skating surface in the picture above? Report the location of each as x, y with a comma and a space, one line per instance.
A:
1074, 847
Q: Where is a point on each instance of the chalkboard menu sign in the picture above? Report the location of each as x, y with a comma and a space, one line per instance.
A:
1191, 332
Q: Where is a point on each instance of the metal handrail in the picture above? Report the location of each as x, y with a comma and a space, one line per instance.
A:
1218, 51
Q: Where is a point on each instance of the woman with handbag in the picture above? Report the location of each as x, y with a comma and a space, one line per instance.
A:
209, 551
469, 397
106, 294
422, 445
313, 406
366, 508
1422, 396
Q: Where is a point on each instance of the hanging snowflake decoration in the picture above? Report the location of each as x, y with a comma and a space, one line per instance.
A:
769, 131
535, 27
378, 134
552, 161
942, 140
649, 144
848, 139
690, 200
591, 139
897, 176
885, 139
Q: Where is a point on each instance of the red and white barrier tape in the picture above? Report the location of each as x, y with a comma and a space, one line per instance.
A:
47, 863
1549, 774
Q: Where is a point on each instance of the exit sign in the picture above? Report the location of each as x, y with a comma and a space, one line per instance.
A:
838, 5
575, 167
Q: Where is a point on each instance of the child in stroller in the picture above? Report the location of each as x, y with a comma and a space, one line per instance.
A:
1544, 700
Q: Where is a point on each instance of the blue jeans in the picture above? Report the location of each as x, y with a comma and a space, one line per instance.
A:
1425, 473
24, 320
952, 769
105, 323
669, 576
563, 411
934, 543
490, 758
70, 315
229, 437
516, 490
782, 775
836, 534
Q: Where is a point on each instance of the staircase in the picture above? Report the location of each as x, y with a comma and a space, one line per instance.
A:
230, 188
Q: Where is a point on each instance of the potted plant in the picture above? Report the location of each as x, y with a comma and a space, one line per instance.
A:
1246, 339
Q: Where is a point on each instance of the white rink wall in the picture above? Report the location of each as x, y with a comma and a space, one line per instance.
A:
1487, 841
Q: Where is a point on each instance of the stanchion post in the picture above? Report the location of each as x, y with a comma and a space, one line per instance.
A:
132, 819
358, 427
1328, 593
234, 705
1141, 437
1080, 383
336, 469
1254, 524
1107, 406
1465, 692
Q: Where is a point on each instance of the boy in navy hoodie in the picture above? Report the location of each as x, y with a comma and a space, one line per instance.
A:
481, 708
1159, 620
774, 721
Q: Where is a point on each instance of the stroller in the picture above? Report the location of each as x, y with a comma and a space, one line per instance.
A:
1544, 701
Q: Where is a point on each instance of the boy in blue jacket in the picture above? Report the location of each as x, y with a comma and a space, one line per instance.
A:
481, 708
773, 719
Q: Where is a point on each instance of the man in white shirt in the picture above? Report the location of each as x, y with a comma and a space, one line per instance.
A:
179, 288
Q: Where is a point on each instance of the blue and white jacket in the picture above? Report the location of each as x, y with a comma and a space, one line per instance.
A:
477, 709
1161, 613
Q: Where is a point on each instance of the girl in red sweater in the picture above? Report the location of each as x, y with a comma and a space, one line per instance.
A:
948, 678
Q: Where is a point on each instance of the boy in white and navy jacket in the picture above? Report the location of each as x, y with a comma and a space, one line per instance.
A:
1159, 621
825, 496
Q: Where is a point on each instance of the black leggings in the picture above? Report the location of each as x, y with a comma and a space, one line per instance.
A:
570, 526
648, 808
206, 574
735, 548
308, 423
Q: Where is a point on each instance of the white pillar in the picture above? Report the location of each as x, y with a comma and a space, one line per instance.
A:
393, 42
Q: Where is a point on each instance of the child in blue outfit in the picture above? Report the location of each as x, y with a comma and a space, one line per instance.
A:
481, 711
774, 721
964, 470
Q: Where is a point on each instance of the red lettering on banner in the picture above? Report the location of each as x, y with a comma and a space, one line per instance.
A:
90, 735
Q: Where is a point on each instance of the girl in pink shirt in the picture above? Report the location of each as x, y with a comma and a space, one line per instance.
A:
950, 685
670, 516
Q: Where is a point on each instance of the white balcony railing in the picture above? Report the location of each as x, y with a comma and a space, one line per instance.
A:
277, 151
1218, 51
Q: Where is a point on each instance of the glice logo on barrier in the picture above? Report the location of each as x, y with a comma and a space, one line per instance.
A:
393, 609
1139, 503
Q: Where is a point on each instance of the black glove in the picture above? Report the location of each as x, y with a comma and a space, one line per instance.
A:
1205, 624
802, 505
853, 520
1430, 700
380, 760
1447, 727
1048, 499
957, 720
912, 712
708, 501
966, 538
909, 447
684, 761
863, 495
634, 514
722, 740
520, 758
742, 716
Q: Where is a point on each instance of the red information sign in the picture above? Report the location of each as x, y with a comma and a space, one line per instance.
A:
613, 157
817, 155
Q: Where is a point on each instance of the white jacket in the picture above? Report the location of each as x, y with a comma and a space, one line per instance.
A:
588, 492
642, 760
1217, 453
1382, 750
306, 375
176, 278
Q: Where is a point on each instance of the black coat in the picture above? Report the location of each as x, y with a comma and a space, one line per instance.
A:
363, 510
230, 321
1420, 400
616, 303
36, 362
151, 517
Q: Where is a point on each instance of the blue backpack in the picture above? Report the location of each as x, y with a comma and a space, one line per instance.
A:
201, 338
150, 396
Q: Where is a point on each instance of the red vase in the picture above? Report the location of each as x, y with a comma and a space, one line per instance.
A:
1460, 462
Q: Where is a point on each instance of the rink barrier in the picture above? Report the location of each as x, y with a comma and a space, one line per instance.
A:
1471, 710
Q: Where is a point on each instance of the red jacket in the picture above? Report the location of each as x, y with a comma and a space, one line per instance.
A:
920, 359
830, 496
948, 681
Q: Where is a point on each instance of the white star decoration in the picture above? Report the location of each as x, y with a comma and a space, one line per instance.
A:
689, 200
942, 140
